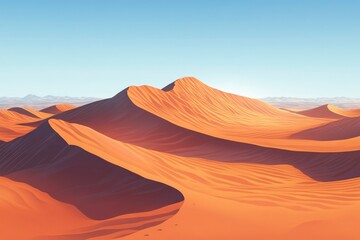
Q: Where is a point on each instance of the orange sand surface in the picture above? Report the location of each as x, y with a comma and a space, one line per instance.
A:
185, 162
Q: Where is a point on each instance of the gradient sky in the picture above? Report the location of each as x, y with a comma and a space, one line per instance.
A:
253, 48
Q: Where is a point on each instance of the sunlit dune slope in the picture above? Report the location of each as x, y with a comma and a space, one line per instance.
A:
193, 105
59, 108
69, 174
219, 195
341, 129
11, 124
330, 111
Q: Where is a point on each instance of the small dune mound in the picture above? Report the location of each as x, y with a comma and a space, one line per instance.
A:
11, 124
59, 108
330, 111
31, 112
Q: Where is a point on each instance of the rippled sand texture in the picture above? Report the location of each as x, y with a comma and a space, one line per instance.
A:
184, 162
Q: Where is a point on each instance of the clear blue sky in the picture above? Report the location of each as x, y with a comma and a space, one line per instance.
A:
254, 48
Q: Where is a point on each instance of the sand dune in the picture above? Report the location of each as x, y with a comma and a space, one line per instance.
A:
30, 112
11, 124
59, 108
330, 111
16, 122
183, 162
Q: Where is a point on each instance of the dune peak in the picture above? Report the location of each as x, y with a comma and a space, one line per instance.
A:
184, 82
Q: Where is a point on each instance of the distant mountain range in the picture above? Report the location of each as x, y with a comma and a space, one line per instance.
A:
37, 102
307, 103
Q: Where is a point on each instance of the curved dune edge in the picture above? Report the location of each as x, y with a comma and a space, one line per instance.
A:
58, 108
235, 192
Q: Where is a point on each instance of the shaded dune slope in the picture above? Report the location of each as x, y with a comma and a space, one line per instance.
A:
341, 129
69, 174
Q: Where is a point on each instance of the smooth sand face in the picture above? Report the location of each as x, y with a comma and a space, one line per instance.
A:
186, 162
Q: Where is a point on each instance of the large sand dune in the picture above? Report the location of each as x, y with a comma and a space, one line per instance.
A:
184, 162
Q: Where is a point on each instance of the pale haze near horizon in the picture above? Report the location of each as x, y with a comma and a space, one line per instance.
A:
252, 48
